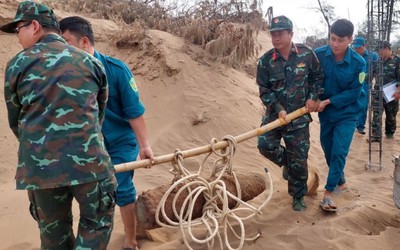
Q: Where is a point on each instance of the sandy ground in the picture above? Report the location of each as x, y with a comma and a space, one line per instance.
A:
188, 103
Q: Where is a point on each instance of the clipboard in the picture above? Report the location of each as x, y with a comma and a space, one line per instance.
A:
388, 90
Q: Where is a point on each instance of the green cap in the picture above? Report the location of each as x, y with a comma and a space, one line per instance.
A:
280, 23
29, 11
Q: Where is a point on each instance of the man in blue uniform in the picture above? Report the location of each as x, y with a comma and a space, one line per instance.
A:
340, 104
289, 77
359, 45
124, 126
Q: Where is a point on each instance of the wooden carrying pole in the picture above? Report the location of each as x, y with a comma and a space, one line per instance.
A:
219, 145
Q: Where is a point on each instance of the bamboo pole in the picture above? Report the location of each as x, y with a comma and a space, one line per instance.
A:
207, 148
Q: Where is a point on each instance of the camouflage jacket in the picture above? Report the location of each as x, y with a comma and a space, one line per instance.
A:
56, 96
287, 85
391, 69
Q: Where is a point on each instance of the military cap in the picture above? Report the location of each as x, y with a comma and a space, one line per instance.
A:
280, 23
29, 11
383, 44
358, 42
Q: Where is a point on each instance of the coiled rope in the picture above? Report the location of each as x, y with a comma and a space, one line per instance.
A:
216, 212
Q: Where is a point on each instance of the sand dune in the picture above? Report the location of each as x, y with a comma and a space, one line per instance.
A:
189, 101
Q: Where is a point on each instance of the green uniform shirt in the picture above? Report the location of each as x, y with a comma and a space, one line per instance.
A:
391, 69
287, 85
56, 96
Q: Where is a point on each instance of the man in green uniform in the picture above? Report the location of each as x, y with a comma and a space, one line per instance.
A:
56, 96
289, 77
391, 72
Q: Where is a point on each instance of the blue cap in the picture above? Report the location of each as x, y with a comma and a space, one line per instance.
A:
358, 42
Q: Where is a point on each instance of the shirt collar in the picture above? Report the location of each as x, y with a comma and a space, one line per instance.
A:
346, 58
51, 37
96, 54
276, 53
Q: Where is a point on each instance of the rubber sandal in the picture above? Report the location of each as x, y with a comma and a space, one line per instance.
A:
328, 205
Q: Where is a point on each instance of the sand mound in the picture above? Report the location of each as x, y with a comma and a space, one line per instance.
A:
189, 101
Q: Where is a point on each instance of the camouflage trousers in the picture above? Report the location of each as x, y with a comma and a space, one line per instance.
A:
293, 155
52, 209
391, 109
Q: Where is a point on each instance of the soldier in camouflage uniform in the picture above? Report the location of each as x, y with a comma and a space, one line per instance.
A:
341, 104
56, 96
391, 72
289, 77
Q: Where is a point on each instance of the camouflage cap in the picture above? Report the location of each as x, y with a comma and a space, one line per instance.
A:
28, 11
280, 23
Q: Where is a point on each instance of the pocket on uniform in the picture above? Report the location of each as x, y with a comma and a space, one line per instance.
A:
277, 80
107, 194
300, 76
346, 80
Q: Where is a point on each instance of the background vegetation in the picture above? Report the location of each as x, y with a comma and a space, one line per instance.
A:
226, 30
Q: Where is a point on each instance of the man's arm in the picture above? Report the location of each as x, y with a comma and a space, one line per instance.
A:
267, 96
396, 95
12, 102
102, 96
316, 79
139, 127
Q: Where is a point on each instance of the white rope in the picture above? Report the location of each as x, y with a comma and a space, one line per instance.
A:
216, 213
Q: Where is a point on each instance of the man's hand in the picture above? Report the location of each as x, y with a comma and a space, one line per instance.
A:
311, 105
396, 94
146, 153
282, 116
322, 105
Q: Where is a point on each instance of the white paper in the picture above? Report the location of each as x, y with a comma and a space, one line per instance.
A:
388, 90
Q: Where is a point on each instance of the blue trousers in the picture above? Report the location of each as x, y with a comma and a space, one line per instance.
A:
336, 139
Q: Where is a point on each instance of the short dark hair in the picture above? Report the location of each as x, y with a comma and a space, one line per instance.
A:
384, 45
78, 26
342, 28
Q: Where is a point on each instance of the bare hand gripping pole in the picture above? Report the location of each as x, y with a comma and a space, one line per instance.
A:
206, 149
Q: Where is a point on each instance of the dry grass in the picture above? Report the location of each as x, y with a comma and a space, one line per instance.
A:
131, 36
234, 44
226, 30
